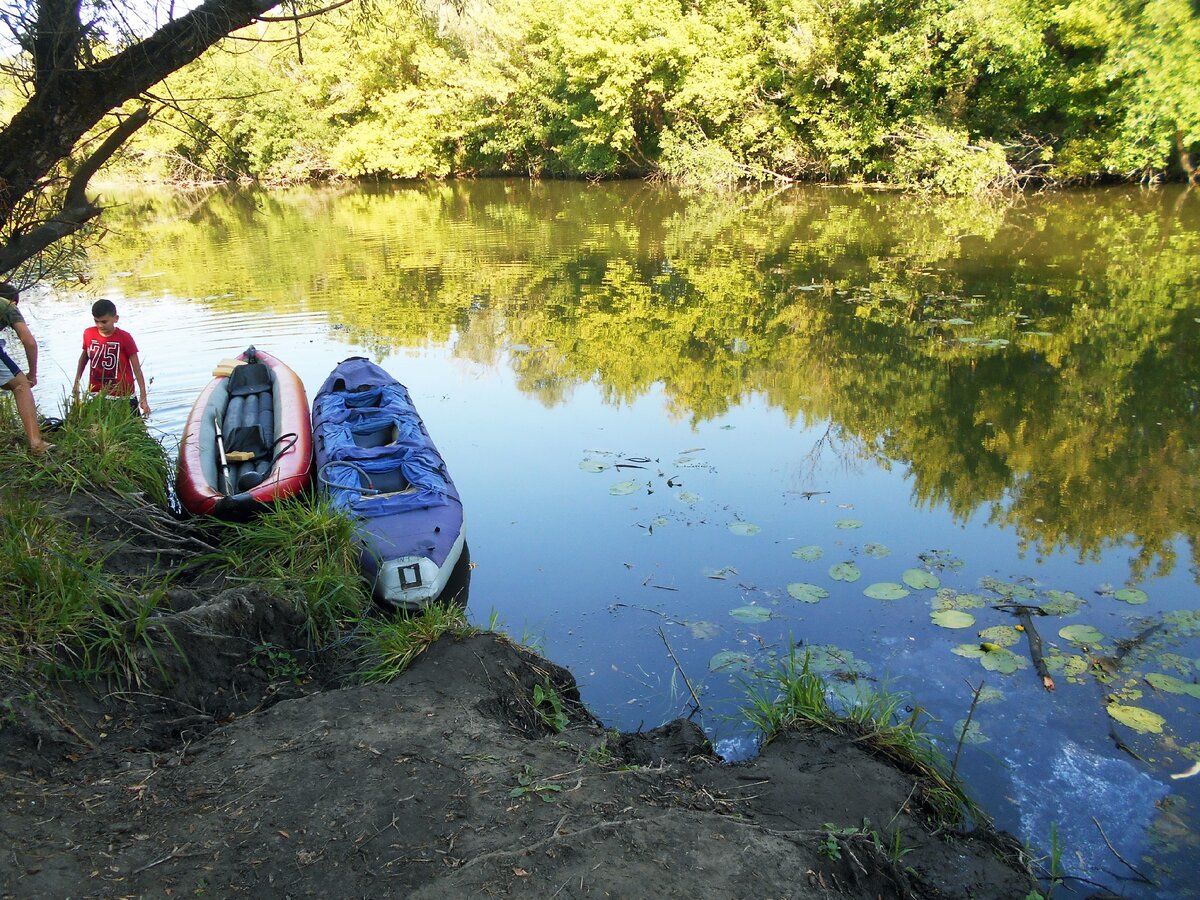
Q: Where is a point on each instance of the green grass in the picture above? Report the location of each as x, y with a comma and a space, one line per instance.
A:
62, 616
102, 444
790, 693
302, 548
389, 645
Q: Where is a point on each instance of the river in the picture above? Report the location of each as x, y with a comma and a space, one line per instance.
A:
722, 426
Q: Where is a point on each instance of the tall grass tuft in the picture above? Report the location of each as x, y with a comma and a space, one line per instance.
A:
390, 645
303, 548
101, 444
790, 693
62, 617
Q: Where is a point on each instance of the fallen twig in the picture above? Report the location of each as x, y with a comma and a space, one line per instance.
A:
962, 738
674, 659
1145, 879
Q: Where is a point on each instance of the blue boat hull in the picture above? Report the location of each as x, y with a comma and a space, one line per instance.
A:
376, 461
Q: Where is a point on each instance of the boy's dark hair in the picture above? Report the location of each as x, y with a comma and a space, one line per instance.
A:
103, 308
9, 291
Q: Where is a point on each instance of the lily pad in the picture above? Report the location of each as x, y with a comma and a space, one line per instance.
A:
1132, 596
810, 553
751, 613
948, 598
1072, 665
1007, 589
1062, 603
1138, 719
807, 593
703, 630
827, 658
1004, 635
1080, 634
731, 661
1003, 661
952, 618
1173, 685
689, 498
991, 695
845, 571
624, 487
970, 651
848, 524
876, 551
969, 734
594, 465
745, 529
886, 590
919, 579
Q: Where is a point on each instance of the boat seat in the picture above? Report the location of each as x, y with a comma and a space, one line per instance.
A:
380, 437
392, 482
249, 378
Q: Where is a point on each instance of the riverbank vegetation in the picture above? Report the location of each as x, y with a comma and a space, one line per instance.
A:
957, 97
76, 610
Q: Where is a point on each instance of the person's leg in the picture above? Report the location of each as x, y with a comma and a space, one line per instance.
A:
23, 394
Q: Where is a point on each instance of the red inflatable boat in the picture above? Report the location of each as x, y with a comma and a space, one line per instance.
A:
247, 441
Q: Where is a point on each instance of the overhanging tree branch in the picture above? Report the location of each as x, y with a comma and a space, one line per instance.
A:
76, 209
72, 93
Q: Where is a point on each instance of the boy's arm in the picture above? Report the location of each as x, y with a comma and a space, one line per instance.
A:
31, 349
83, 361
141, 380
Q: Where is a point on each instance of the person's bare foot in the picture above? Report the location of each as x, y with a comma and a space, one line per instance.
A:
41, 449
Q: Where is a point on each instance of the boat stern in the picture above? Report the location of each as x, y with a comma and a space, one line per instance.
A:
412, 582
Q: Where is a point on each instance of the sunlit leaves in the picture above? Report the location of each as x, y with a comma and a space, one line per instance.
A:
952, 618
1173, 685
1135, 717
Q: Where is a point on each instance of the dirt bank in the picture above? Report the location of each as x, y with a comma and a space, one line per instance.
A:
238, 769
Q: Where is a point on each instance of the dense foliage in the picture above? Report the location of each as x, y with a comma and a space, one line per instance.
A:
956, 95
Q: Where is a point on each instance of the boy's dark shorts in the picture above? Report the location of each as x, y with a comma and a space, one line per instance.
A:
8, 368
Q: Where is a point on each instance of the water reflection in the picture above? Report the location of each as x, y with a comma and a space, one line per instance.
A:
1003, 394
1033, 359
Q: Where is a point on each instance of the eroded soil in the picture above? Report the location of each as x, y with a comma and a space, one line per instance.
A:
229, 774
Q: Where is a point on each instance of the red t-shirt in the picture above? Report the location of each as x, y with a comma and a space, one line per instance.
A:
108, 361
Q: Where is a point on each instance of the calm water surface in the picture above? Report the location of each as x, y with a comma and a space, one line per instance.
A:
673, 420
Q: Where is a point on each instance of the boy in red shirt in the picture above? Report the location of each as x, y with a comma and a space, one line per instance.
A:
112, 355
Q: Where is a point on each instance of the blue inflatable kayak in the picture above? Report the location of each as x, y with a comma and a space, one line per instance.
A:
375, 460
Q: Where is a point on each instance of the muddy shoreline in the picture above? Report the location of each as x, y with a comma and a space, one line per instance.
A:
244, 765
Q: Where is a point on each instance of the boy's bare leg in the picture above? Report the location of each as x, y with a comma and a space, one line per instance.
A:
23, 394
